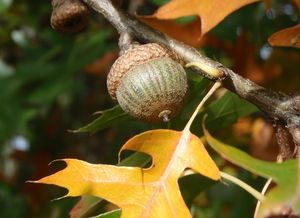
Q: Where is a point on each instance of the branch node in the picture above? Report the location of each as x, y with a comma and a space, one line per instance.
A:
213, 72
125, 41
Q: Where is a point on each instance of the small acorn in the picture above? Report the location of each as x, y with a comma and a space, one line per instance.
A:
149, 82
69, 16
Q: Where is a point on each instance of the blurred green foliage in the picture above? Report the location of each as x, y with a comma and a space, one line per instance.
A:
45, 91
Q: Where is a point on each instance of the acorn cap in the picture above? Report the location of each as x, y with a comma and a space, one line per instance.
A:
69, 16
135, 56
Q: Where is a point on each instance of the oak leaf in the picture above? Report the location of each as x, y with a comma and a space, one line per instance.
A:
289, 37
211, 12
297, 3
139, 192
102, 64
285, 175
189, 33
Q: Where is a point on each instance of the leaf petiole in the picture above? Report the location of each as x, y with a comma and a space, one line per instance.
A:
264, 190
211, 91
260, 197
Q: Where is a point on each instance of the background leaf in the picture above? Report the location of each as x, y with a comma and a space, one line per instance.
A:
223, 112
110, 214
289, 37
285, 174
180, 8
107, 118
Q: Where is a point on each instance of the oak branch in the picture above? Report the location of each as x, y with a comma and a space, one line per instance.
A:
282, 109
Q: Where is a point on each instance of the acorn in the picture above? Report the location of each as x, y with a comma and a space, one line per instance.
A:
149, 82
69, 16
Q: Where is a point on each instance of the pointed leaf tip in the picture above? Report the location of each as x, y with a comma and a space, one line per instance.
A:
289, 37
204, 9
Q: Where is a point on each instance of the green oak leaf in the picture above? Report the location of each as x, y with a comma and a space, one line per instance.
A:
286, 175
106, 119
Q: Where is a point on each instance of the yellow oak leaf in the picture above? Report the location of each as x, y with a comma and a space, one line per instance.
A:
139, 192
211, 12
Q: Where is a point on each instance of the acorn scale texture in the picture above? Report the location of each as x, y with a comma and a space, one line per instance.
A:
153, 91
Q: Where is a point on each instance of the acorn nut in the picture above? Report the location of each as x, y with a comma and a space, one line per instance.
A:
69, 16
149, 82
